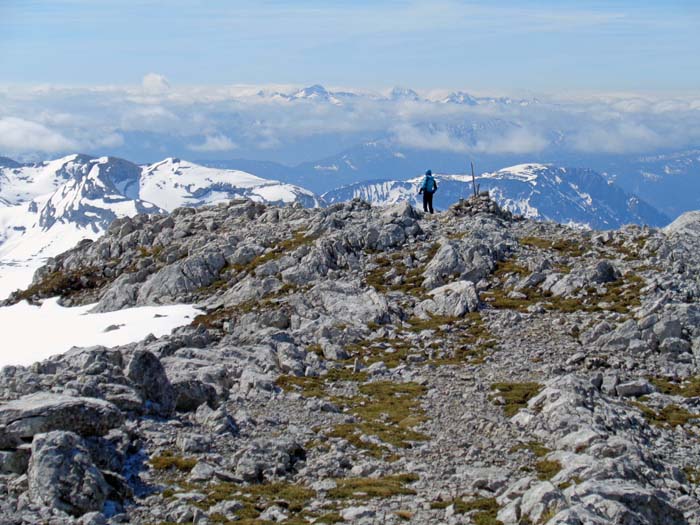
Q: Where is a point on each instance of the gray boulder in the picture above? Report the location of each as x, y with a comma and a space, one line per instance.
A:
216, 421
62, 476
451, 300
269, 459
147, 374
182, 278
44, 412
191, 393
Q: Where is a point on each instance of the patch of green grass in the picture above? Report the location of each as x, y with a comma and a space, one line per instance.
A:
547, 469
370, 488
412, 278
630, 252
283, 246
257, 497
384, 409
63, 283
671, 415
150, 251
484, 510
510, 267
692, 474
515, 395
215, 319
316, 386
688, 388
315, 349
620, 296
547, 515
169, 460
374, 351
575, 480
537, 448
433, 322
568, 247
467, 341
329, 517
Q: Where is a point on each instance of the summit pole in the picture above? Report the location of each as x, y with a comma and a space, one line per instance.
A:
473, 179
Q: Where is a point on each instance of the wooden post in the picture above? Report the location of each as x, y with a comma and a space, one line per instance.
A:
473, 180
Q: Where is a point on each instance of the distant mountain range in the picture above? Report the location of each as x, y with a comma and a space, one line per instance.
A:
543, 192
669, 182
398, 93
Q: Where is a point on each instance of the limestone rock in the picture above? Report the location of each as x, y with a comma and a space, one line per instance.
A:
62, 476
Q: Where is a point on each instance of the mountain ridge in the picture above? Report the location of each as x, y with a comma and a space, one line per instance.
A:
538, 191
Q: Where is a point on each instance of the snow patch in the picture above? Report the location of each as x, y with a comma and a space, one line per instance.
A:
63, 328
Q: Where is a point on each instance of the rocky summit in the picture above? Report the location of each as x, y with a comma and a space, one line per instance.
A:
367, 365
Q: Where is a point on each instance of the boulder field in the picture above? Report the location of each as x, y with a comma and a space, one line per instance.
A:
360, 364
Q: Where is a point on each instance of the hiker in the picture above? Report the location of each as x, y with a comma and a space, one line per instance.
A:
428, 187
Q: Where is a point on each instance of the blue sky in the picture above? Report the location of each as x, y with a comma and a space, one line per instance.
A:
540, 46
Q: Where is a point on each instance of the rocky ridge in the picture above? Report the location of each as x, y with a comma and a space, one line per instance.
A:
367, 365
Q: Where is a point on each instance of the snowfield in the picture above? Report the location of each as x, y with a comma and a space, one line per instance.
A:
173, 183
64, 328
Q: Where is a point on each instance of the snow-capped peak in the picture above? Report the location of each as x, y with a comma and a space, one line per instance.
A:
172, 183
315, 91
522, 172
460, 97
401, 93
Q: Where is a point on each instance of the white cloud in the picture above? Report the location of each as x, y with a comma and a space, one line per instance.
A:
515, 140
155, 84
23, 136
518, 140
111, 140
129, 121
622, 137
213, 143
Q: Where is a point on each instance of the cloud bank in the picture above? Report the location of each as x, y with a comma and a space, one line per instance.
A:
155, 119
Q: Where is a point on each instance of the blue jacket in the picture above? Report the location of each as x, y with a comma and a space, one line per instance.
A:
429, 184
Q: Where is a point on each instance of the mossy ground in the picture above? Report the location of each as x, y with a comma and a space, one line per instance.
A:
64, 284
671, 415
567, 247
295, 498
464, 340
169, 460
620, 296
411, 277
386, 410
687, 388
214, 320
368, 488
282, 247
483, 510
515, 396
547, 469
535, 447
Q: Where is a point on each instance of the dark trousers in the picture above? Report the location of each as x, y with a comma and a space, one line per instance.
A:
428, 201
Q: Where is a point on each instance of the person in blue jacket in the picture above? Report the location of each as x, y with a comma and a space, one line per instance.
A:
428, 188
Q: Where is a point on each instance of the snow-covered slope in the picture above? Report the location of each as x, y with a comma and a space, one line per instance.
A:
89, 194
538, 191
47, 208
173, 183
